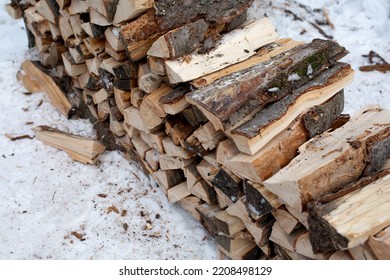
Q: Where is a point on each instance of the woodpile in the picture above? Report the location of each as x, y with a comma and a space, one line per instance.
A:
243, 130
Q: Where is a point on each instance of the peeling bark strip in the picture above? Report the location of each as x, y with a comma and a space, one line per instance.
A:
174, 13
227, 185
233, 98
360, 213
265, 125
330, 160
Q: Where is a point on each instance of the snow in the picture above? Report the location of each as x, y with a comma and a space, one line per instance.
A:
45, 196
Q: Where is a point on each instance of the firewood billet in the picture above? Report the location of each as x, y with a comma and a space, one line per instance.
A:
284, 147
153, 158
380, 244
286, 220
128, 10
350, 220
14, 11
263, 54
178, 192
78, 7
46, 83
330, 160
105, 7
260, 200
236, 98
189, 204
260, 231
49, 9
251, 136
225, 151
229, 185
362, 252
174, 150
78, 148
233, 47
172, 14
175, 102
303, 247
168, 178
180, 41
287, 241
205, 192
208, 136
139, 35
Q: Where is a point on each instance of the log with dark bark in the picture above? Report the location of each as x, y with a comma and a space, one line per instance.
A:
234, 99
251, 136
170, 16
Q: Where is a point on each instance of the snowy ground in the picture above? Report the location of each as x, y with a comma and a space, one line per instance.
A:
44, 196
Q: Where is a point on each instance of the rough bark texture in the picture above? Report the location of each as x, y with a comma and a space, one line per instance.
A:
227, 185
378, 152
236, 96
174, 13
277, 110
259, 203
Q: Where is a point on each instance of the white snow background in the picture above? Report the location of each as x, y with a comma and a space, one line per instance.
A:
45, 196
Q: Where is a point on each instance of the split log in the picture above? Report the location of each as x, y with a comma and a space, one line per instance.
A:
228, 224
174, 150
175, 101
190, 203
205, 192
139, 35
265, 53
105, 7
171, 14
230, 185
168, 178
78, 148
46, 83
349, 220
128, 10
178, 192
287, 241
183, 40
303, 247
260, 200
255, 35
284, 147
362, 252
380, 244
287, 221
331, 160
153, 158
251, 136
236, 98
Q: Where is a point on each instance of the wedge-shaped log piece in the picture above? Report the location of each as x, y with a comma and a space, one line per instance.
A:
46, 83
178, 192
230, 185
105, 7
349, 220
256, 133
380, 244
127, 10
236, 98
173, 13
233, 47
260, 200
263, 54
78, 148
330, 160
284, 147
175, 102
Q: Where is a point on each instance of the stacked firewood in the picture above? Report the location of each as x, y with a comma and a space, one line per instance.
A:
240, 128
